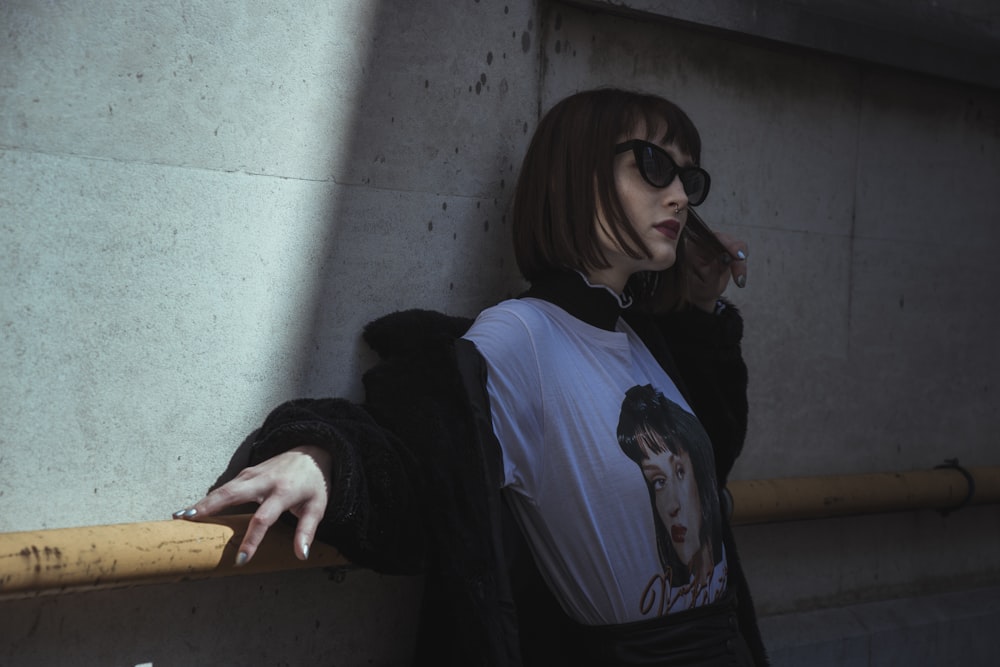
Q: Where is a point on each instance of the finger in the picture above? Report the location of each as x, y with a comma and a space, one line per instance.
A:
736, 248
305, 531
260, 523
736, 260
740, 274
739, 270
239, 491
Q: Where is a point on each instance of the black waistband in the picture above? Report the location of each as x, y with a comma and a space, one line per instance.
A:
707, 636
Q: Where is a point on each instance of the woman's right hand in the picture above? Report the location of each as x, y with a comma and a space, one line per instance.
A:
710, 273
297, 481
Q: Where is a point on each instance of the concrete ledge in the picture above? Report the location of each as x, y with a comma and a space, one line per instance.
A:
958, 628
937, 38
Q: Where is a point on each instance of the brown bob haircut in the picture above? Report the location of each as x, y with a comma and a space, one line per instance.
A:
568, 172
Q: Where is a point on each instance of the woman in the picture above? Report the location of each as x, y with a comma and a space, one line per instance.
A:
525, 400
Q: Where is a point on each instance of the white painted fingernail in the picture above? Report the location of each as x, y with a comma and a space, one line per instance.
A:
189, 513
241, 559
305, 550
741, 254
741, 281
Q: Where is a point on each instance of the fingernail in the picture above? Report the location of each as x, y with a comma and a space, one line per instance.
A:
305, 551
241, 559
741, 281
741, 255
179, 514
189, 513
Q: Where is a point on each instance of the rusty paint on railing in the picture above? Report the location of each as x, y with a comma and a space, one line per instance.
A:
69, 559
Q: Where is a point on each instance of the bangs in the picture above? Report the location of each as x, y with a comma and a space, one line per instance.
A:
652, 442
653, 113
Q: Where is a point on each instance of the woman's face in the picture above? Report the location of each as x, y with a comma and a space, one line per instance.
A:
656, 214
677, 500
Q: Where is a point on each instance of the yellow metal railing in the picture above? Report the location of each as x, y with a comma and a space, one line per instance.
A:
946, 489
70, 559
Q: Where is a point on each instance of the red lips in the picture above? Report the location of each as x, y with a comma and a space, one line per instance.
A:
677, 533
669, 228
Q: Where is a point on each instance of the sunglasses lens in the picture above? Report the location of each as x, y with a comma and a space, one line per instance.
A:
657, 167
695, 183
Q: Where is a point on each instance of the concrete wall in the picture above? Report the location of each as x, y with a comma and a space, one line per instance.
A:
201, 203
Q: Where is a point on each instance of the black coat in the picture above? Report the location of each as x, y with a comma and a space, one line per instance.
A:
416, 477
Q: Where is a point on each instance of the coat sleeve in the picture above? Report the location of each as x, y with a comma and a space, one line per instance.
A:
706, 349
372, 514
375, 513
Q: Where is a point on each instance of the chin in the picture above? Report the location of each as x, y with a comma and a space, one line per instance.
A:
662, 263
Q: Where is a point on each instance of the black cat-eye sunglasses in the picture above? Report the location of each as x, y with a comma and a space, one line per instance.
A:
659, 170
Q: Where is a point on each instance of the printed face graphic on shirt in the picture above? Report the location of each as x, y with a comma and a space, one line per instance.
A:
675, 456
675, 491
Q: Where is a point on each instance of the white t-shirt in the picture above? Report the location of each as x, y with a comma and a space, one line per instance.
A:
558, 392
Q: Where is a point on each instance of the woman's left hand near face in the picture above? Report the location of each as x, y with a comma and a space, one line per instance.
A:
711, 273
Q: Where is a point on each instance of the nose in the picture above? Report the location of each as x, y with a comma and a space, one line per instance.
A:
674, 196
673, 502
